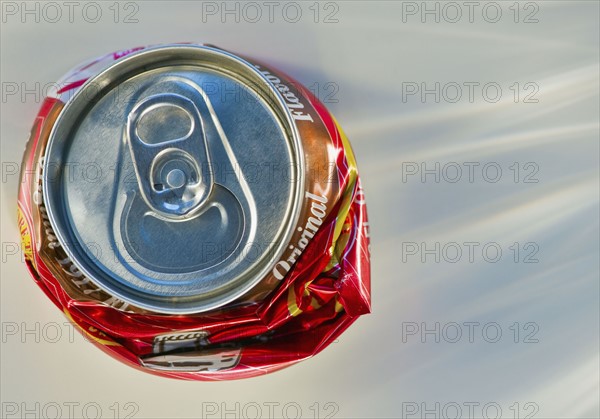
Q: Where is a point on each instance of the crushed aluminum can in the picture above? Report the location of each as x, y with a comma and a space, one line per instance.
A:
196, 214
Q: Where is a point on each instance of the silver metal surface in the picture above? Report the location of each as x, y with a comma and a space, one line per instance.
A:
197, 361
168, 170
199, 183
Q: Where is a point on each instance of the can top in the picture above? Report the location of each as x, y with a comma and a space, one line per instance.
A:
172, 179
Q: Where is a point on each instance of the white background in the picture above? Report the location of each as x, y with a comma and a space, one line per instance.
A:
372, 54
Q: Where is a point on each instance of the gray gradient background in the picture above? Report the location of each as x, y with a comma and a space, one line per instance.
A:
371, 371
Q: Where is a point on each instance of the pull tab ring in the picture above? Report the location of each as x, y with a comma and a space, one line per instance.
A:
174, 175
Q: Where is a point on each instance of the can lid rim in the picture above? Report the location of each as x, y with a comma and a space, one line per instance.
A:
278, 105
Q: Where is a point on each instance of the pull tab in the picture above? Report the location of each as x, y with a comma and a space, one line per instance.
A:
169, 171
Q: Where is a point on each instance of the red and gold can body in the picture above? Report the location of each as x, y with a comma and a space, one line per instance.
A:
312, 289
